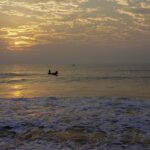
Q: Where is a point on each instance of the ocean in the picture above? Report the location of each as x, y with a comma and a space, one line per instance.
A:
80, 80
85, 107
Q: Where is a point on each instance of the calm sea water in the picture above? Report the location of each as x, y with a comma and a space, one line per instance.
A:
80, 80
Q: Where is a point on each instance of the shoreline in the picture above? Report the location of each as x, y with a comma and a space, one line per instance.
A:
138, 98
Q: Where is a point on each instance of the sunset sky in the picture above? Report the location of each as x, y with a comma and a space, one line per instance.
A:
60, 31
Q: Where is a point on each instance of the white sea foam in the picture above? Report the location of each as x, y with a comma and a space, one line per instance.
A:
124, 123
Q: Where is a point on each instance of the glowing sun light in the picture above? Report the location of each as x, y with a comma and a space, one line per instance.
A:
16, 43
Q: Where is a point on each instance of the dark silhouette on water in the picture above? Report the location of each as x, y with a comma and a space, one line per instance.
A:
49, 72
73, 65
53, 73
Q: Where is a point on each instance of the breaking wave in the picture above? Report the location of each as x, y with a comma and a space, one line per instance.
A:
74, 123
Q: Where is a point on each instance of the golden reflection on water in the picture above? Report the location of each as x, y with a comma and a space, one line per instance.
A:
17, 90
24, 90
17, 94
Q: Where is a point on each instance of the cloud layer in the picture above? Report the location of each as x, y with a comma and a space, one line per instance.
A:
26, 24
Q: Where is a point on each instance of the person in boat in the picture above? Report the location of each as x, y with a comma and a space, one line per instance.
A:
49, 72
56, 73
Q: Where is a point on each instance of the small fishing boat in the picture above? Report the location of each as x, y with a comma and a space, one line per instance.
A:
53, 73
